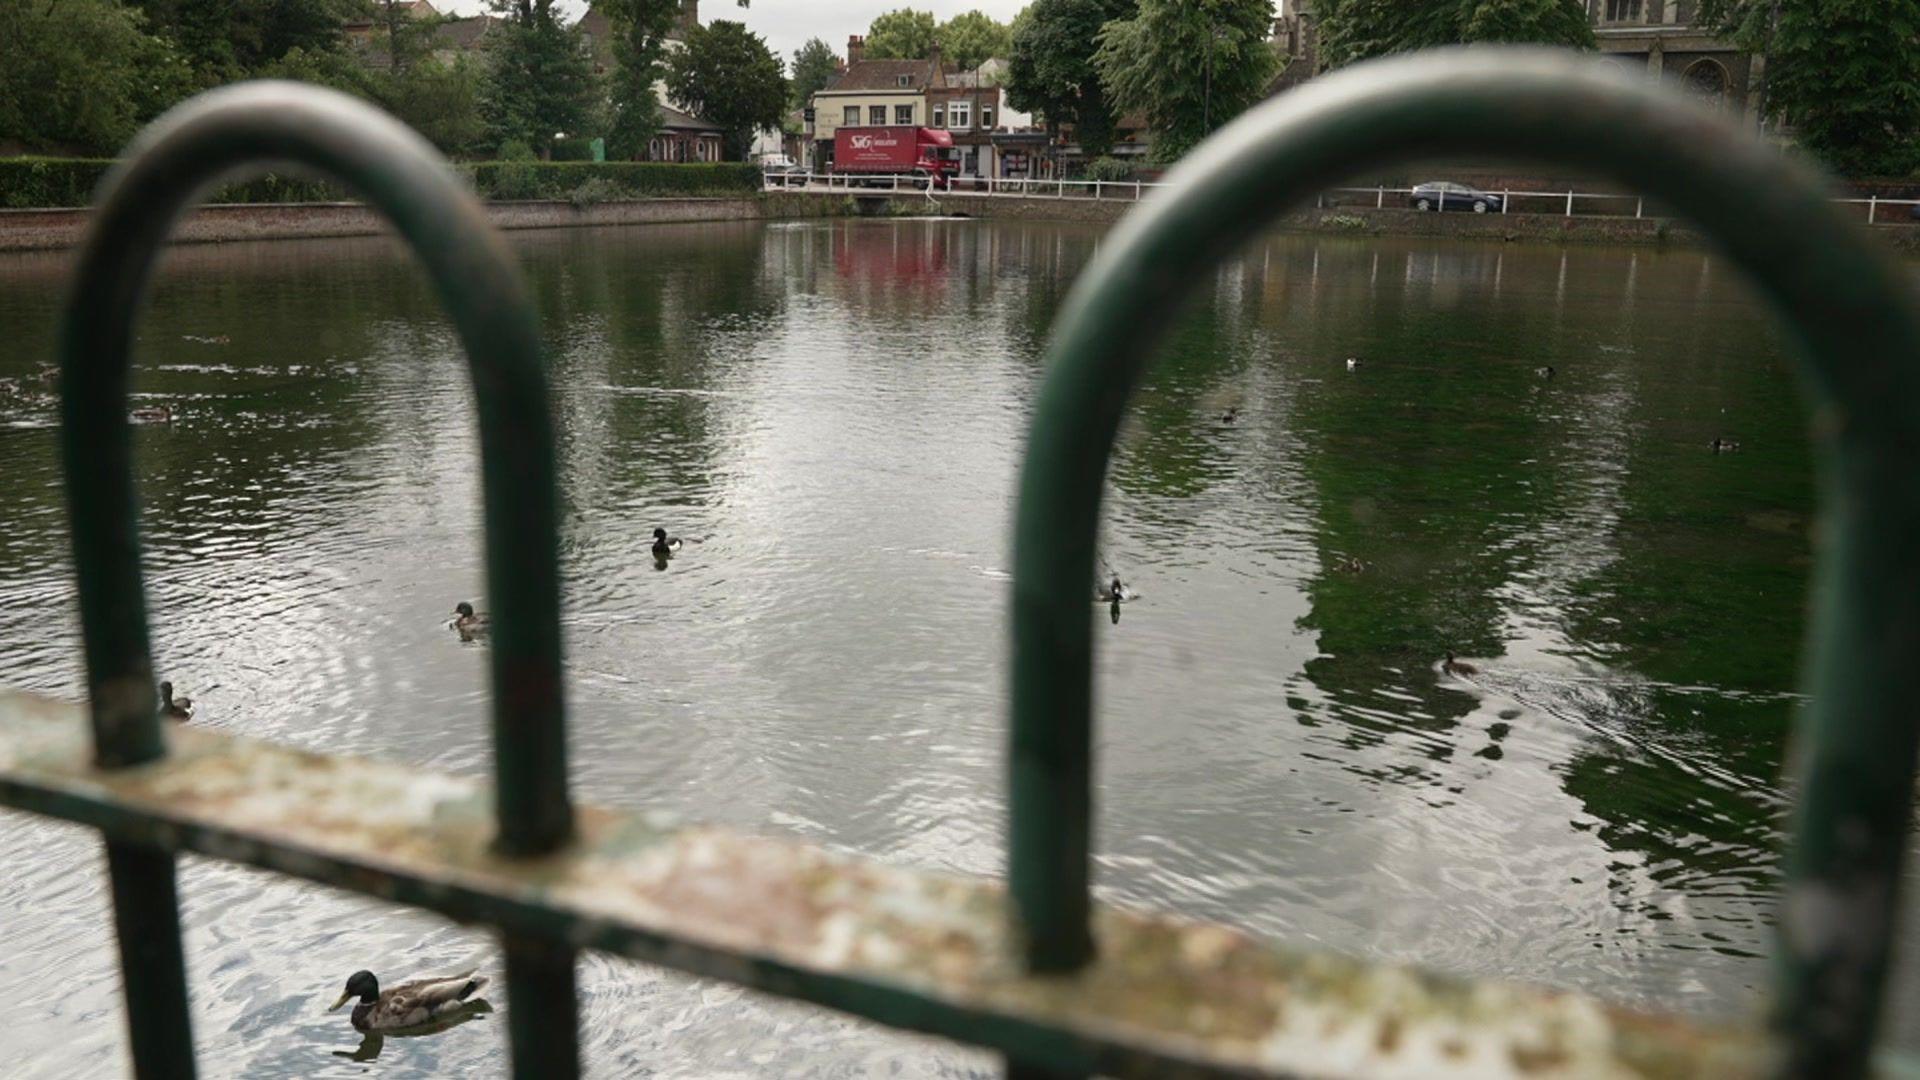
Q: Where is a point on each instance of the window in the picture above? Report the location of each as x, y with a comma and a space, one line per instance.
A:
903, 114
852, 117
986, 116
939, 116
960, 115
876, 114
903, 80
1623, 10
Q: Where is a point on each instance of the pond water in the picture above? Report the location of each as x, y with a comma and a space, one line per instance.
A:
837, 410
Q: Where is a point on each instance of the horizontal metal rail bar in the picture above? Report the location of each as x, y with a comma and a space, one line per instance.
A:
1133, 190
920, 951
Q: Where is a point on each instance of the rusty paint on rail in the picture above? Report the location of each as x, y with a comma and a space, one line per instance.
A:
922, 951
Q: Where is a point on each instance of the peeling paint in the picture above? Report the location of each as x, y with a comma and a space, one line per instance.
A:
926, 951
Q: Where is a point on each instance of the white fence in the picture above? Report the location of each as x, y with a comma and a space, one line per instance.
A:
1873, 210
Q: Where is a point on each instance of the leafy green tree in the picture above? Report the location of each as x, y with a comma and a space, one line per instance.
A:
1845, 74
972, 38
1353, 30
408, 40
905, 34
729, 78
223, 40
539, 80
639, 46
1050, 70
439, 100
814, 65
1188, 66
82, 75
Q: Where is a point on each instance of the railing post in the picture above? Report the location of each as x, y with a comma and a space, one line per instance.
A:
1506, 199
1380, 198
477, 278
1640, 207
1856, 747
1136, 191
1096, 191
1873, 207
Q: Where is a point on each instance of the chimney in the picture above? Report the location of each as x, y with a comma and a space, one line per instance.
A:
939, 76
854, 43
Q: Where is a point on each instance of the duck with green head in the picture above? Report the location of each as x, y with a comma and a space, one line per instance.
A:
410, 1004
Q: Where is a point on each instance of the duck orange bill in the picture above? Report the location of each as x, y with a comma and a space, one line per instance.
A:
342, 1001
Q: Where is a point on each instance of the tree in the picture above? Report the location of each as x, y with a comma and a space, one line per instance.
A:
1189, 66
814, 66
727, 77
905, 34
1844, 73
640, 30
223, 40
82, 75
539, 78
439, 100
1353, 30
1050, 70
972, 38
409, 39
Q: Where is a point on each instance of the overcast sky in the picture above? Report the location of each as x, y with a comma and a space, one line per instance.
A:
787, 24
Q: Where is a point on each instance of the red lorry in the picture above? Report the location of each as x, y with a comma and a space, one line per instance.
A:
896, 151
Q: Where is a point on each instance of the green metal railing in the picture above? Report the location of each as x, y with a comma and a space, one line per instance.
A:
1038, 972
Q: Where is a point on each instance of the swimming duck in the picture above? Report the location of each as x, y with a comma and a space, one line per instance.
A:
1724, 446
153, 414
1544, 372
1349, 564
174, 708
408, 1005
1230, 415
1353, 363
663, 545
1458, 667
1113, 592
469, 624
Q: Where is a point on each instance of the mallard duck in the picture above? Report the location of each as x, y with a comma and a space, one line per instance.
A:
1113, 592
1724, 446
663, 545
1458, 667
1230, 415
174, 708
152, 414
1349, 564
469, 624
409, 1004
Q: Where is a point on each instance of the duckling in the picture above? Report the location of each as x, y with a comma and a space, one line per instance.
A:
1544, 372
1724, 446
1350, 564
1230, 415
1114, 592
1458, 667
1353, 363
408, 1005
468, 623
152, 414
663, 545
174, 708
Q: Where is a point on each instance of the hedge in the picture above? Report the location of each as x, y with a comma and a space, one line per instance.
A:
61, 182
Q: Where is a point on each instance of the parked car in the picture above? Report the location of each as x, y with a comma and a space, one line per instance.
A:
1440, 195
784, 175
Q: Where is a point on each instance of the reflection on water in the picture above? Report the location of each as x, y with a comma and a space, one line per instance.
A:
836, 409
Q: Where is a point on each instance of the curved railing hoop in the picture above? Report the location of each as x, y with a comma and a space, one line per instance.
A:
217, 137
1846, 302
